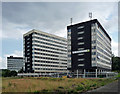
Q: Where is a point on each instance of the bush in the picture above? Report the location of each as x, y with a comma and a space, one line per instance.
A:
80, 88
8, 73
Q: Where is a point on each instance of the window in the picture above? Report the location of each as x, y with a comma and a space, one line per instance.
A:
69, 44
69, 39
69, 30
28, 38
80, 54
69, 34
79, 38
80, 32
93, 53
80, 48
28, 42
69, 61
94, 41
81, 43
94, 47
80, 27
69, 55
28, 46
28, 49
69, 50
81, 59
80, 64
93, 59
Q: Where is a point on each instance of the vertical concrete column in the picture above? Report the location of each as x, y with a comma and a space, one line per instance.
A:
84, 73
96, 73
99, 71
106, 75
67, 72
40, 73
77, 73
58, 74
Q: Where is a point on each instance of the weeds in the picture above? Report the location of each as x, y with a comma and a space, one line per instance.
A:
47, 84
9, 84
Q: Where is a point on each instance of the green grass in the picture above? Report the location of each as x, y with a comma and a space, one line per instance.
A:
47, 84
118, 76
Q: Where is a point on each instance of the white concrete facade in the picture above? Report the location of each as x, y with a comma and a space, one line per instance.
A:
101, 48
49, 52
14, 63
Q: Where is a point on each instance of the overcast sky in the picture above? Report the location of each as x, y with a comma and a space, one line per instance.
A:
20, 17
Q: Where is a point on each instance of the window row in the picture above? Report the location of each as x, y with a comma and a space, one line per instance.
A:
104, 34
103, 66
101, 50
103, 61
40, 61
103, 37
51, 65
49, 51
50, 47
48, 40
50, 69
106, 47
48, 36
103, 56
47, 54
50, 58
49, 44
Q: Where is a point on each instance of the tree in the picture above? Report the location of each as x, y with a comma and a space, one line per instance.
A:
13, 73
21, 70
8, 73
116, 64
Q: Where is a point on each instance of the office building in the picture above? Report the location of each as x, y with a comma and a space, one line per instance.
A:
14, 63
89, 47
44, 53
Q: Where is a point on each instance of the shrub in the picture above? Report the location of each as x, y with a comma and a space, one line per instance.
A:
8, 73
80, 88
60, 87
9, 84
36, 92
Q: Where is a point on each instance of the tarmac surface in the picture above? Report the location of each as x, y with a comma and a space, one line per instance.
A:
111, 88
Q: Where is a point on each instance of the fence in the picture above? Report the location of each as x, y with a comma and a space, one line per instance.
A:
73, 75
96, 75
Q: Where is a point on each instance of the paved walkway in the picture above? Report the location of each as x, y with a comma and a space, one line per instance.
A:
111, 88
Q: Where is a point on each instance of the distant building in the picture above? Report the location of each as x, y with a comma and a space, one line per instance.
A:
14, 63
89, 47
44, 53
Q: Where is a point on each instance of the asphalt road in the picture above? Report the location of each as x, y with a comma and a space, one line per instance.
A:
111, 88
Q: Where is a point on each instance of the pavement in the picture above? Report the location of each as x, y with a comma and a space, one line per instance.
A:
111, 88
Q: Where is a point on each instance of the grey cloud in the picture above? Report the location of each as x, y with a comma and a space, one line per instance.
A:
50, 17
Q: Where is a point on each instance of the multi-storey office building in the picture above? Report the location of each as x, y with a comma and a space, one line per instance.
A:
14, 63
89, 47
44, 53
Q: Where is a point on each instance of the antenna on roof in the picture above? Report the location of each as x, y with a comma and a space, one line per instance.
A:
71, 19
90, 15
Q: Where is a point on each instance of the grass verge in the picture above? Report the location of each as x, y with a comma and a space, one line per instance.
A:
47, 84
